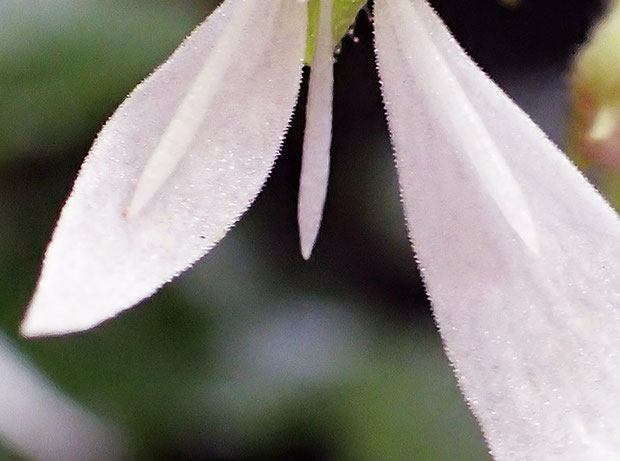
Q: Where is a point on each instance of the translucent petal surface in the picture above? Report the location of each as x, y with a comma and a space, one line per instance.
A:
100, 261
317, 136
40, 423
534, 336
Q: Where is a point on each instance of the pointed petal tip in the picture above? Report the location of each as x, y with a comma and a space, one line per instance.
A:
26, 331
36, 329
46, 319
306, 250
30, 326
36, 326
308, 233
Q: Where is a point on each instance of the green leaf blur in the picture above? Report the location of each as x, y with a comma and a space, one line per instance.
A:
343, 17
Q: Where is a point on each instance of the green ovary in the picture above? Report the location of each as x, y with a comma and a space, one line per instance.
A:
343, 16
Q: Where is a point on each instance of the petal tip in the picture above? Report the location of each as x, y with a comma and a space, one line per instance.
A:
49, 320
33, 327
306, 250
307, 237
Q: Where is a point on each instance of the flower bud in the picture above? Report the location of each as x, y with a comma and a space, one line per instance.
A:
594, 130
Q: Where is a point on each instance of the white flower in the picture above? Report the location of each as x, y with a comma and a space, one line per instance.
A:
520, 255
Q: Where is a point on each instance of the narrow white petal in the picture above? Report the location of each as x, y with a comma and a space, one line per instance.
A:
317, 135
38, 422
190, 114
534, 336
227, 128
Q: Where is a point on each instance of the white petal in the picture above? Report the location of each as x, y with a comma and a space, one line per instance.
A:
40, 423
524, 279
177, 137
317, 135
227, 127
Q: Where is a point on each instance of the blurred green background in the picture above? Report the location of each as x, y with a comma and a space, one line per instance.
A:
254, 353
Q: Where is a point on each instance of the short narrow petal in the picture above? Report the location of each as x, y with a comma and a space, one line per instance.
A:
175, 167
317, 136
524, 278
38, 422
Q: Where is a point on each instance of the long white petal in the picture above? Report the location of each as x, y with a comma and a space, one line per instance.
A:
190, 114
317, 135
175, 167
39, 422
524, 279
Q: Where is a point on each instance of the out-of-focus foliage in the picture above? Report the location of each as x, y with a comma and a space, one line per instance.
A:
594, 135
64, 60
254, 352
